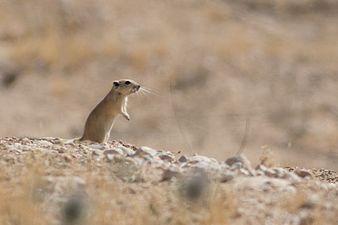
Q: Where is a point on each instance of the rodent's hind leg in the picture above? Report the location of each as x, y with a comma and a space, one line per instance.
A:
106, 137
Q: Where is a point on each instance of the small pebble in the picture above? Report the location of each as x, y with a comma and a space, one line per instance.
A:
303, 173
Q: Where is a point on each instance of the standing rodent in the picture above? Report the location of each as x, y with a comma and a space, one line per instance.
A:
101, 119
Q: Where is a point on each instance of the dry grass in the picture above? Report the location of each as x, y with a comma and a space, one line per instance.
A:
267, 158
55, 182
272, 60
30, 198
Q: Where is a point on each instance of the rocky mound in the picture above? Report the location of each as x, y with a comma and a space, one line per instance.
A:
57, 181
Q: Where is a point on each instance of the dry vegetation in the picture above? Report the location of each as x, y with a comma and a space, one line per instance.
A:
212, 66
62, 182
273, 62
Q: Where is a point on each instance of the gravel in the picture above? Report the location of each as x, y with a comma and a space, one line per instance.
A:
61, 167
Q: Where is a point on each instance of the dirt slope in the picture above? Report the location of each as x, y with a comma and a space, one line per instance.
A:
57, 181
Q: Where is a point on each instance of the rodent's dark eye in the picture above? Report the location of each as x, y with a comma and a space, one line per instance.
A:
127, 82
116, 84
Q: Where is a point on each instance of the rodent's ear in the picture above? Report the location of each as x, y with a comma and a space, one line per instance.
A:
116, 84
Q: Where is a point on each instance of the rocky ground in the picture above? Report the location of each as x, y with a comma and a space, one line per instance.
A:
61, 181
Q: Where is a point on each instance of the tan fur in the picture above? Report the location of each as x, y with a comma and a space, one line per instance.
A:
101, 119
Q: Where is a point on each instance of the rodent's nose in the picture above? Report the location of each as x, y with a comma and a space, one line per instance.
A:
138, 87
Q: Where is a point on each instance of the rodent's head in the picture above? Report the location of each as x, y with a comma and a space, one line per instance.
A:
126, 86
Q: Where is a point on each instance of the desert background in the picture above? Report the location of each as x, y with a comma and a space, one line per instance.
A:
212, 66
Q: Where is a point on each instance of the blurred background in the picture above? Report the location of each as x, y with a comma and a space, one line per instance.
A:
212, 65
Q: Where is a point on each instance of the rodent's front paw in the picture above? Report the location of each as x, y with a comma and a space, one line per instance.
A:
125, 115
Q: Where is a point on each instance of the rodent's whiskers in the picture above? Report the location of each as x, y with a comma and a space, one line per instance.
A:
141, 92
145, 91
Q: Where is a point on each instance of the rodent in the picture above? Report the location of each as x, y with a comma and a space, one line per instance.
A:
101, 119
